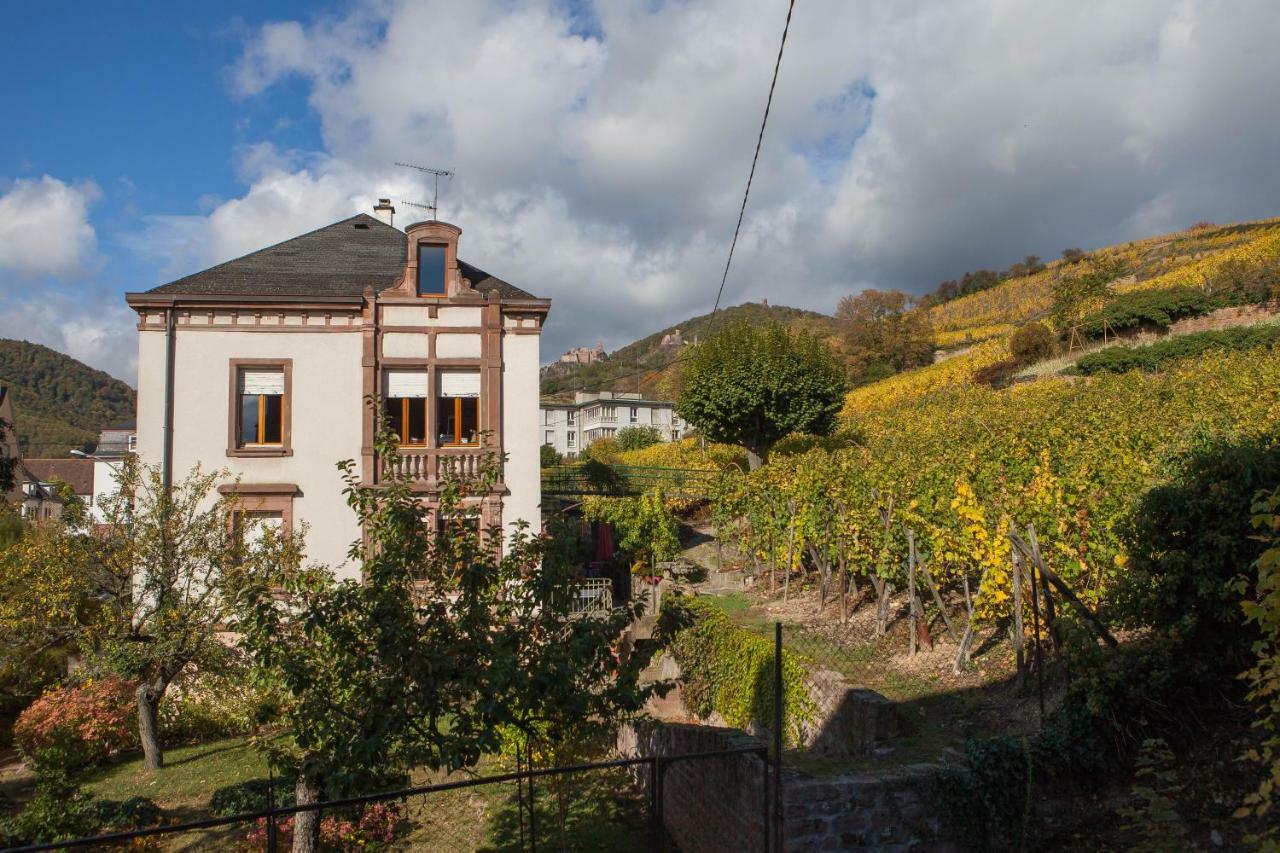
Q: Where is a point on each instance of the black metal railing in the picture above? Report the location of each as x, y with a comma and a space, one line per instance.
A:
651, 770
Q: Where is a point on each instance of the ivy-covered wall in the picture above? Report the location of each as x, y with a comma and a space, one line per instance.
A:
730, 670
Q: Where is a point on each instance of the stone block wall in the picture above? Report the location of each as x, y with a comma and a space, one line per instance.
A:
717, 804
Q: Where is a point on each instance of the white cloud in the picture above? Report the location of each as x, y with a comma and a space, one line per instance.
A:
44, 227
601, 161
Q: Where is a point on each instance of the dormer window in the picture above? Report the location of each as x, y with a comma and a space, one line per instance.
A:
431, 258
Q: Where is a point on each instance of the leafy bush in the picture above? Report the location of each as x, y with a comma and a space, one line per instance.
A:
638, 437
59, 811
1155, 357
1147, 309
604, 450
548, 456
1263, 610
202, 706
85, 724
251, 796
687, 453
1031, 343
1188, 541
375, 827
120, 815
727, 669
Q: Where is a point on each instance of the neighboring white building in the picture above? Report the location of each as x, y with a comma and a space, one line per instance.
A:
571, 427
114, 444
263, 365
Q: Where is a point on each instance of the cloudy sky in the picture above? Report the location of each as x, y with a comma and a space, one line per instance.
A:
601, 148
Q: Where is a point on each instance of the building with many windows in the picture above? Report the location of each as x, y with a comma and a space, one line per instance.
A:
264, 365
571, 427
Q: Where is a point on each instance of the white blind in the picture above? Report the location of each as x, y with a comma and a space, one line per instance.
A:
460, 384
262, 381
405, 383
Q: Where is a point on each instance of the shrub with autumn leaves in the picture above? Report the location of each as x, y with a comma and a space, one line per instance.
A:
85, 723
376, 827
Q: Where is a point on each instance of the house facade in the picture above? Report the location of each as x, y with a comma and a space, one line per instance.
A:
114, 444
41, 482
571, 427
264, 365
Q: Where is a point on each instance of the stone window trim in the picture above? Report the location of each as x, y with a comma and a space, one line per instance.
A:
262, 497
285, 448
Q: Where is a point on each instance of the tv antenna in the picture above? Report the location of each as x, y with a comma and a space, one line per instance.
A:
436, 174
430, 207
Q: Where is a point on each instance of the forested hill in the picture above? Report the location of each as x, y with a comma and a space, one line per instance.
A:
60, 403
642, 365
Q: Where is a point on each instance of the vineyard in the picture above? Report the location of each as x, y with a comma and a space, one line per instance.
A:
957, 466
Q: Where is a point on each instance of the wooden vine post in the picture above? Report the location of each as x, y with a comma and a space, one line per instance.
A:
791, 550
1015, 629
1065, 591
911, 590
773, 557
840, 558
883, 588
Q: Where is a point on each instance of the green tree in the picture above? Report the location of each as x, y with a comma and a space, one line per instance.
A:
638, 437
167, 568
647, 529
450, 639
751, 386
882, 333
548, 456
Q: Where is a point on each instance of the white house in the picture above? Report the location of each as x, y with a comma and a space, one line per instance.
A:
263, 365
571, 427
114, 444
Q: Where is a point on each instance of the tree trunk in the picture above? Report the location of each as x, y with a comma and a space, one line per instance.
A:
754, 460
306, 825
149, 696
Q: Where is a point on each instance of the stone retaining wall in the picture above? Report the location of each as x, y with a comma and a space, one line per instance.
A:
716, 804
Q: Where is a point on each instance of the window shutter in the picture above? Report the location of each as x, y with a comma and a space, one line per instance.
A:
405, 383
262, 382
460, 384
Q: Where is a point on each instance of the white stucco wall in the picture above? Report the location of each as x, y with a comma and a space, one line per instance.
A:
521, 432
326, 420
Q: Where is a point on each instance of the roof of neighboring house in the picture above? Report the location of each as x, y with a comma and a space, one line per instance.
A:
76, 473
341, 259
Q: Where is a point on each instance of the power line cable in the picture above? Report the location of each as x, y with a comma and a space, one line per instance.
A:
786, 27
759, 141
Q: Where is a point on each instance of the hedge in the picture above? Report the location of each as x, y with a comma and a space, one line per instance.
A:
1155, 357
1147, 308
730, 670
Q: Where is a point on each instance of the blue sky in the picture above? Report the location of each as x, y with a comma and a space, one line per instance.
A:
601, 147
140, 105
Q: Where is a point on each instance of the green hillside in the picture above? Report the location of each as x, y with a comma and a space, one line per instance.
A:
644, 364
60, 403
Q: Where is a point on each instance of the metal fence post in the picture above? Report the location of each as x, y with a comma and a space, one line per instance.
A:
271, 804
659, 768
779, 720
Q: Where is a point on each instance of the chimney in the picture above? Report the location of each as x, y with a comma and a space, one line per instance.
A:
384, 211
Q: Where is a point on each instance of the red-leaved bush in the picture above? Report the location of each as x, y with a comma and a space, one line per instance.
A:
86, 723
375, 829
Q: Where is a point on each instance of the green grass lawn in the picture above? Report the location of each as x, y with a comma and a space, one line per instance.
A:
599, 810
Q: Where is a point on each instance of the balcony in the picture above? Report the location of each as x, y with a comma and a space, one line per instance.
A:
427, 464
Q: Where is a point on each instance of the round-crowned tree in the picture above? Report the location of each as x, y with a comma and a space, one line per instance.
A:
753, 385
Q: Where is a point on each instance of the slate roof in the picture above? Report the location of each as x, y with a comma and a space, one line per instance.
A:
76, 473
341, 259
